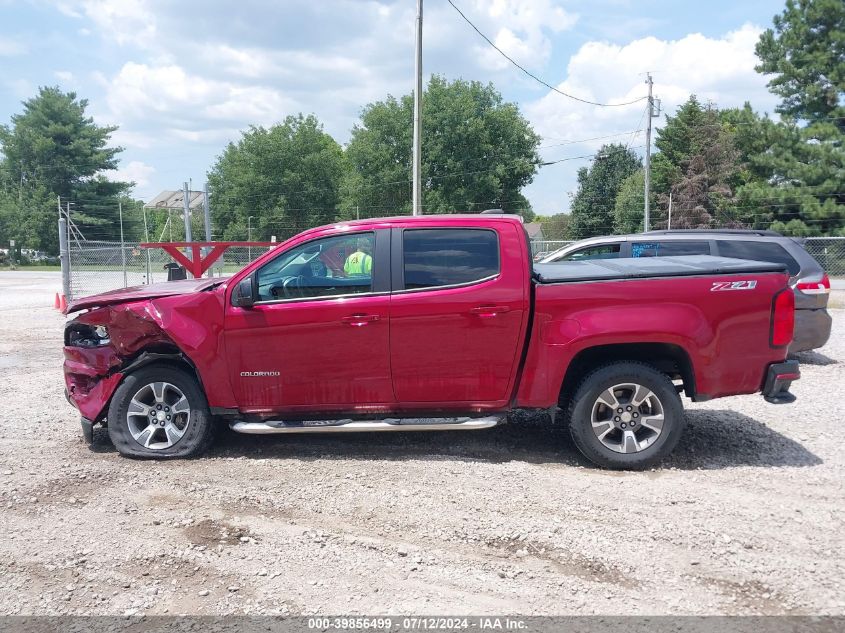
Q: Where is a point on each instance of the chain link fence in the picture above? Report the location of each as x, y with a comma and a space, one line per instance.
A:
97, 266
829, 252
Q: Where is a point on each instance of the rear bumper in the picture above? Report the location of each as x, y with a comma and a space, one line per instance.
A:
779, 377
812, 329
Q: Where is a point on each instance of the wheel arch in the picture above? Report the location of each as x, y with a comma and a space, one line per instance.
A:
668, 358
167, 357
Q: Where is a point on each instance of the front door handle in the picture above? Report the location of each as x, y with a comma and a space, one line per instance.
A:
360, 319
489, 311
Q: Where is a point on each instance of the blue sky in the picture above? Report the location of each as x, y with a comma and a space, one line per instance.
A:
181, 79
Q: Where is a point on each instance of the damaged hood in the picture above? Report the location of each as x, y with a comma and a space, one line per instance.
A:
137, 293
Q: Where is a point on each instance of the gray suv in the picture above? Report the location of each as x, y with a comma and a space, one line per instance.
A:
807, 278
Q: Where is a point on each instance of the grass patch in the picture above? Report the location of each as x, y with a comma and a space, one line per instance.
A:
31, 268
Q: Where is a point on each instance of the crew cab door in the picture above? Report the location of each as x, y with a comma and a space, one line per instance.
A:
317, 338
457, 314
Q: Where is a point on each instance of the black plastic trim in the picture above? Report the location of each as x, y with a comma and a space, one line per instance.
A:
775, 390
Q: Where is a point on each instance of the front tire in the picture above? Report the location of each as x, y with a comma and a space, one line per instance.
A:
160, 412
626, 415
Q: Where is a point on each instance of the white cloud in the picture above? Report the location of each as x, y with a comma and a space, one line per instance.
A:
715, 69
523, 36
187, 106
64, 75
134, 171
126, 21
720, 70
11, 48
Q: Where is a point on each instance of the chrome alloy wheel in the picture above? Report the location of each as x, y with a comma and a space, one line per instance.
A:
158, 415
627, 418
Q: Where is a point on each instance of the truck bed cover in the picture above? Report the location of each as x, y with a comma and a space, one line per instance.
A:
647, 267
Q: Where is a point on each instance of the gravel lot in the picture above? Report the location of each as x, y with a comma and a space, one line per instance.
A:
745, 519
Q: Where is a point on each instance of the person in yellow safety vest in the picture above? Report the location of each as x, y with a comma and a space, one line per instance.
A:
359, 262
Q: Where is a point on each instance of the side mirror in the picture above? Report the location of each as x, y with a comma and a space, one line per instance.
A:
244, 294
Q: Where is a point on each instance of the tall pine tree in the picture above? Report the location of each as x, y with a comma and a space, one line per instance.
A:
803, 54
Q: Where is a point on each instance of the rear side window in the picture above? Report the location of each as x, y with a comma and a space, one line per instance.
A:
759, 252
668, 248
604, 251
447, 257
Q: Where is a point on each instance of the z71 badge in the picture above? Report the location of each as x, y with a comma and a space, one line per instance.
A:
749, 284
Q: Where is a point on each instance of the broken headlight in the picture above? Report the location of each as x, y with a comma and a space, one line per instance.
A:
84, 335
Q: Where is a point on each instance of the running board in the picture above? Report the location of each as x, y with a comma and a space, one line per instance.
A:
351, 426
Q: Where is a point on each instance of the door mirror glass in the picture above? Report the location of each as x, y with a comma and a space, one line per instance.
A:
244, 295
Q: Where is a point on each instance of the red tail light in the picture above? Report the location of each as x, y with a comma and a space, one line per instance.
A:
815, 287
783, 318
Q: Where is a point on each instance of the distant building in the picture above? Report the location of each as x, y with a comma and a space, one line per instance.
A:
534, 230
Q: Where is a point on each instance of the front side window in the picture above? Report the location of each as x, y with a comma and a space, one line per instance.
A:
759, 252
669, 248
331, 266
602, 251
448, 257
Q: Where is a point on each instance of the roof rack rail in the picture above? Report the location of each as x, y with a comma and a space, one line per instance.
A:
761, 232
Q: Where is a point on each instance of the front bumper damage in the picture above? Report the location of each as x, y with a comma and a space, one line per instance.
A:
93, 372
779, 377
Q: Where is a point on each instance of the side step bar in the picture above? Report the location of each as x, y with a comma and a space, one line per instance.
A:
351, 426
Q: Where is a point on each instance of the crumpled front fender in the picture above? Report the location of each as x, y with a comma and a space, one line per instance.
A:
189, 326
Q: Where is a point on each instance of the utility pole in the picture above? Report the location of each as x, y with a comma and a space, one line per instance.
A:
207, 212
669, 226
186, 210
417, 195
147, 239
122, 243
249, 237
647, 188
207, 216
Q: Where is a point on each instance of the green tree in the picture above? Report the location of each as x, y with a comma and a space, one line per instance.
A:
53, 149
699, 164
676, 142
287, 177
803, 55
478, 152
706, 192
628, 210
555, 227
593, 205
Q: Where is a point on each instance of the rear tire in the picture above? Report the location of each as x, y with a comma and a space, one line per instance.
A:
160, 412
626, 415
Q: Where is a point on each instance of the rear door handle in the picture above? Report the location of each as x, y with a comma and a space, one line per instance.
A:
360, 319
489, 311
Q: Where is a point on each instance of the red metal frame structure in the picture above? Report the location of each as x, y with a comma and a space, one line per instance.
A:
197, 264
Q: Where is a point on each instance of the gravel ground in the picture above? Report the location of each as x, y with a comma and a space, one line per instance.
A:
746, 518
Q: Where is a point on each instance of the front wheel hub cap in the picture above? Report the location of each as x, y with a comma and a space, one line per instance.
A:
148, 422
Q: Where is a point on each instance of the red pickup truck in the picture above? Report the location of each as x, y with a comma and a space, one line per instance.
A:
429, 323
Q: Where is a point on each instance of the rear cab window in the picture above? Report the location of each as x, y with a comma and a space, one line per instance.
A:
759, 252
436, 258
669, 247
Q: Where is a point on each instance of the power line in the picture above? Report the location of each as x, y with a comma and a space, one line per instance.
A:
533, 76
585, 140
